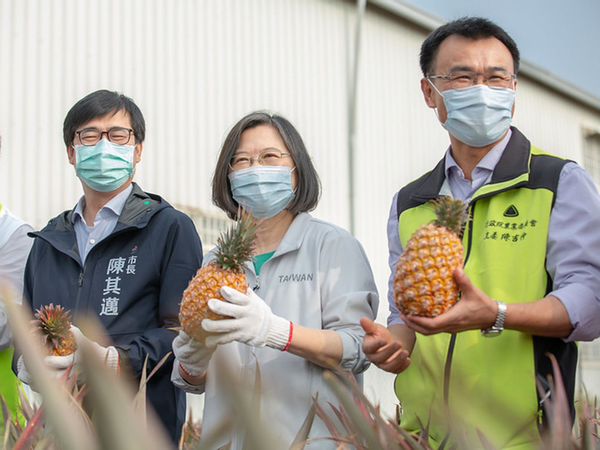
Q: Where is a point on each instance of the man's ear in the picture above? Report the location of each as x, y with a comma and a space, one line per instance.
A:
428, 93
71, 154
137, 153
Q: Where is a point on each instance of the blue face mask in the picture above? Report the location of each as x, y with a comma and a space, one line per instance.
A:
105, 166
478, 115
266, 190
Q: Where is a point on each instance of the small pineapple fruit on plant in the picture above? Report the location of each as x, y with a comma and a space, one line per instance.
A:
234, 248
54, 325
423, 282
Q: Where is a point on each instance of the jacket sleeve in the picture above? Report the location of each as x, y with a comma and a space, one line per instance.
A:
27, 288
13, 256
348, 293
572, 257
178, 253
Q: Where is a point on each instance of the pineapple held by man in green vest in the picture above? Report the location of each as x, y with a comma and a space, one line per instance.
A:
423, 282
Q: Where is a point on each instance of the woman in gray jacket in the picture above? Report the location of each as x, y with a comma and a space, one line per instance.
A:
310, 283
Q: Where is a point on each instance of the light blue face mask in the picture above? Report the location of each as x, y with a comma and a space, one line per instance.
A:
266, 190
105, 166
478, 115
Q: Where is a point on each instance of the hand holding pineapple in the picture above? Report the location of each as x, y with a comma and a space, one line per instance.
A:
61, 341
193, 355
249, 321
424, 283
474, 311
234, 249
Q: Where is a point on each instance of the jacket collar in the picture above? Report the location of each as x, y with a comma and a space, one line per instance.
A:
295, 234
137, 212
513, 164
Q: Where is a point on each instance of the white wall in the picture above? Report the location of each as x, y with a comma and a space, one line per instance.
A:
196, 66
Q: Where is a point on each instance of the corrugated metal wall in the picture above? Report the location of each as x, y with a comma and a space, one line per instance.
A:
195, 66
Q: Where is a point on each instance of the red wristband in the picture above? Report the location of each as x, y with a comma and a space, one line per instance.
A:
289, 338
187, 373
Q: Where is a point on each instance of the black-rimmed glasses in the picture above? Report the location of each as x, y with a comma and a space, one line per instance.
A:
116, 135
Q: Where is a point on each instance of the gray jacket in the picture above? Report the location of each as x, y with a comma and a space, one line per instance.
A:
320, 278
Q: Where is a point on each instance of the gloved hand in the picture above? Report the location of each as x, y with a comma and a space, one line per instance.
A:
109, 355
58, 367
252, 321
193, 355
59, 364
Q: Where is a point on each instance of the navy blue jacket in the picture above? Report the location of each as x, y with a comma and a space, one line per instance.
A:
132, 281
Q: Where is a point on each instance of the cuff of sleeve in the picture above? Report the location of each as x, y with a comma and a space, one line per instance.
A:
112, 360
180, 383
583, 309
280, 332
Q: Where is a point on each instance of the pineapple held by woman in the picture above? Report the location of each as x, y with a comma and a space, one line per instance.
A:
424, 283
54, 325
234, 248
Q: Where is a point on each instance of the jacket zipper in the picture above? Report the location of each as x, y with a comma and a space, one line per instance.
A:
79, 288
452, 343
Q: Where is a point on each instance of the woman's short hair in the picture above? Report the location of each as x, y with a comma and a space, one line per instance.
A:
308, 188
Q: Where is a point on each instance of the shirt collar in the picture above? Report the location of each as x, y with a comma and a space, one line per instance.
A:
114, 205
487, 163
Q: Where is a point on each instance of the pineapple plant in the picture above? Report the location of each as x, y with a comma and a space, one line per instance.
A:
234, 248
423, 282
54, 325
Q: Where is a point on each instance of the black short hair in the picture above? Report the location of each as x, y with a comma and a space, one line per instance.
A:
470, 27
99, 104
308, 189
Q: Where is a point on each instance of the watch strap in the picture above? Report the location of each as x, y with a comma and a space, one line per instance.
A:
498, 326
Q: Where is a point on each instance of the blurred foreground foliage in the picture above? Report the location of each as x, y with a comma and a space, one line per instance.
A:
120, 419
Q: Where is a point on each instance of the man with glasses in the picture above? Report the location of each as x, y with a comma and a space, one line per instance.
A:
531, 276
121, 255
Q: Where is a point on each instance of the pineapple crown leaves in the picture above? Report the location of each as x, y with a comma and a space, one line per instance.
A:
53, 322
450, 213
235, 245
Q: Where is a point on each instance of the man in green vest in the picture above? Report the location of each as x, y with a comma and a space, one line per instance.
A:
531, 274
14, 248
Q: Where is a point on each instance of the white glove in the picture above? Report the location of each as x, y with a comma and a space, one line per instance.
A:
59, 364
193, 355
109, 355
252, 321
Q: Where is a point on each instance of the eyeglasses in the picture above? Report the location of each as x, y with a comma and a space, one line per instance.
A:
265, 158
461, 79
116, 135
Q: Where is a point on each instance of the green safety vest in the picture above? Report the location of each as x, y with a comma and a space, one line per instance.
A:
491, 381
8, 387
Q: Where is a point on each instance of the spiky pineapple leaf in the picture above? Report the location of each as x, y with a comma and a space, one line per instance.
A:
235, 245
301, 437
450, 213
54, 323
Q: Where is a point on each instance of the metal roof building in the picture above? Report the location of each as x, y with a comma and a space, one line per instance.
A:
348, 78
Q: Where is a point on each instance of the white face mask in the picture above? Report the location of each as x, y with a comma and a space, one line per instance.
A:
478, 115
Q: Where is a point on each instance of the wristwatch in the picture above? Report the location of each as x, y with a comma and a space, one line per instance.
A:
498, 326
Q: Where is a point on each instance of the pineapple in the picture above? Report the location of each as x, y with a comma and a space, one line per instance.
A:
423, 282
234, 248
54, 325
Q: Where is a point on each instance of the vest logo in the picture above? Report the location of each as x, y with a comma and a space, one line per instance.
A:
511, 211
296, 277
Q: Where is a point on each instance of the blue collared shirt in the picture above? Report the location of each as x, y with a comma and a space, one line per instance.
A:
573, 239
104, 223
